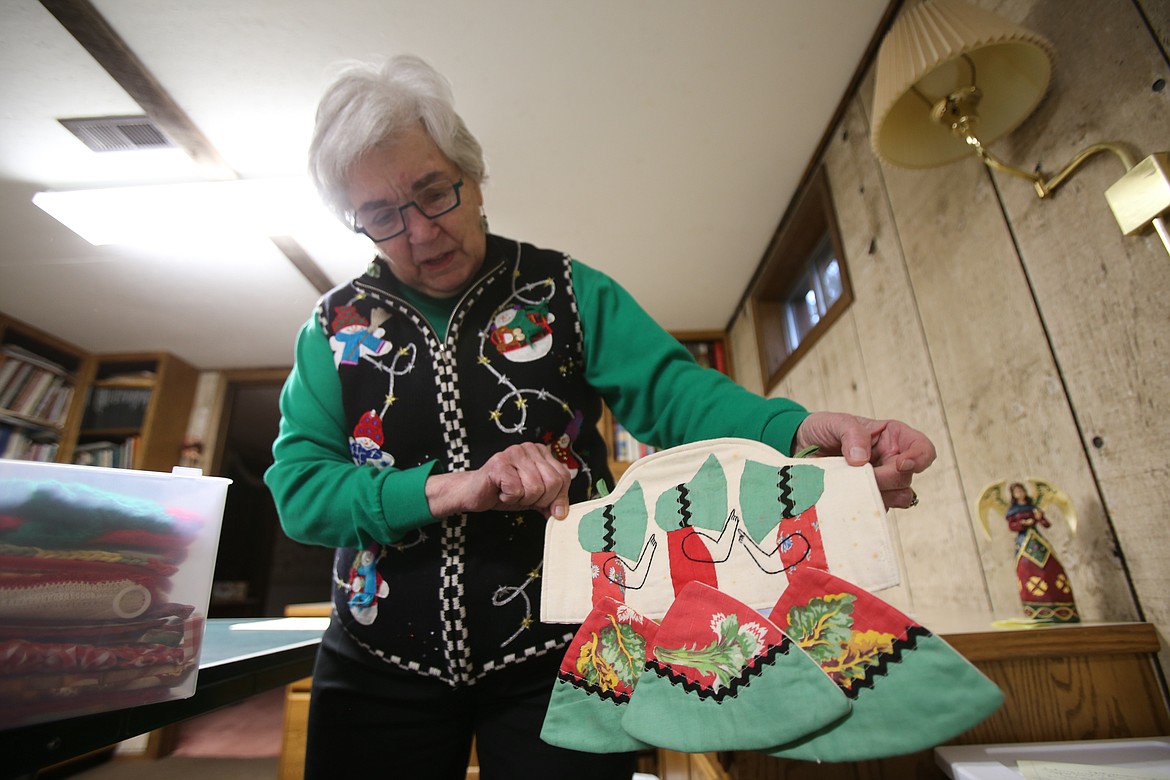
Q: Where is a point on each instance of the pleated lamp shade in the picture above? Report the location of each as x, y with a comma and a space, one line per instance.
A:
924, 50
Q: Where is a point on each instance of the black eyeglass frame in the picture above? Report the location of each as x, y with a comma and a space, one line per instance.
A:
357, 228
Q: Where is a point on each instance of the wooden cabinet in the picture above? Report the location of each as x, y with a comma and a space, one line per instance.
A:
709, 348
42, 392
127, 410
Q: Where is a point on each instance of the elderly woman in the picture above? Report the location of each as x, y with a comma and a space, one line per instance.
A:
416, 436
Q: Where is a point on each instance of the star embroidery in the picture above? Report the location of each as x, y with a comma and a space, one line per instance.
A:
518, 520
534, 574
521, 402
495, 415
403, 351
483, 360
390, 399
526, 622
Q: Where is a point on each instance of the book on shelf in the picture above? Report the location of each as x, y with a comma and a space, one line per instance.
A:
33, 387
17, 444
116, 407
47, 408
54, 407
109, 454
7, 369
14, 352
24, 372
708, 354
625, 447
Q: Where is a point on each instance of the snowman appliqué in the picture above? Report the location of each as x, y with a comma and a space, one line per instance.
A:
365, 445
366, 586
352, 338
523, 333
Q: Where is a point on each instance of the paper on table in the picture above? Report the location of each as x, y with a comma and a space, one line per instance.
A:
1050, 770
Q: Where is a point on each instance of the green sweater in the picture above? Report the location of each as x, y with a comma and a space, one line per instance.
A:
650, 382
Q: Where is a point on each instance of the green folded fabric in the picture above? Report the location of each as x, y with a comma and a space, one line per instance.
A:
909, 689
769, 494
720, 676
597, 676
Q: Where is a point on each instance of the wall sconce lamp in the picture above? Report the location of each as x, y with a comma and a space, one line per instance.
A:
953, 78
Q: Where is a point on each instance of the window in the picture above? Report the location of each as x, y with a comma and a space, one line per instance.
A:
803, 286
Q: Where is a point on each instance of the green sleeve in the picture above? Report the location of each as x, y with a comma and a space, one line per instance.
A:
653, 385
321, 496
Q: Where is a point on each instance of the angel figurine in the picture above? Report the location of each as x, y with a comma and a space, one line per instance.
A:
1045, 591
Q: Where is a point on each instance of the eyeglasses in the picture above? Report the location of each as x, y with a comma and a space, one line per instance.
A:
386, 222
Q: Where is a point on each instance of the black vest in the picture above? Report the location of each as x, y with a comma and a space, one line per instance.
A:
460, 597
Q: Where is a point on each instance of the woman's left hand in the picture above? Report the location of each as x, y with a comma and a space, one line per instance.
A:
895, 450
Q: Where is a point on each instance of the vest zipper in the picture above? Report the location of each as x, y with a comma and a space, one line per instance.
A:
447, 342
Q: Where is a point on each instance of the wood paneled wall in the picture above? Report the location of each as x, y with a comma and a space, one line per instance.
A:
1029, 338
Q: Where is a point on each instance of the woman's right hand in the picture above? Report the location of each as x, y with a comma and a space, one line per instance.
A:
524, 476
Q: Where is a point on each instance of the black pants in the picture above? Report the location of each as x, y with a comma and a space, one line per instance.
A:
395, 725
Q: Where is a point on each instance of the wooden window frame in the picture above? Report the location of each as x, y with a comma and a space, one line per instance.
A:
812, 218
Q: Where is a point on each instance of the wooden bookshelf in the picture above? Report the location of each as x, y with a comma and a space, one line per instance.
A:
134, 405
42, 393
710, 349
137, 408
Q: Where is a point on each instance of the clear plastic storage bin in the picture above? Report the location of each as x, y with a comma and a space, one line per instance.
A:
105, 578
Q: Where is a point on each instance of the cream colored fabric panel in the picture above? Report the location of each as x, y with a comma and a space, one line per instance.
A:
849, 511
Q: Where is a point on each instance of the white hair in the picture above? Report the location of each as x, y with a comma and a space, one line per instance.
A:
368, 103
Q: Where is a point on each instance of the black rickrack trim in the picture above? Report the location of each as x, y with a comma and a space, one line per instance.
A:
593, 689
754, 669
881, 668
787, 504
684, 506
610, 525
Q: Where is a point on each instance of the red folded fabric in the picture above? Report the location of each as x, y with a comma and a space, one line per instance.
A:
18, 656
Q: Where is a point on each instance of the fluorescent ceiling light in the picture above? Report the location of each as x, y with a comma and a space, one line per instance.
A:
200, 212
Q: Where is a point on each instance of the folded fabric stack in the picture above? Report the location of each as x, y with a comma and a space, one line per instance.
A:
86, 621
833, 674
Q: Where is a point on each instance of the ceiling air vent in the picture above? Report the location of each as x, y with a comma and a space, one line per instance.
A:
117, 133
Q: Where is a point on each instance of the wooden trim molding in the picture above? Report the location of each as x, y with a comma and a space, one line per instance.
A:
1057, 641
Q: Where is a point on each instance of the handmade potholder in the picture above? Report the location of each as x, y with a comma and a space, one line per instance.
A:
909, 689
721, 676
597, 676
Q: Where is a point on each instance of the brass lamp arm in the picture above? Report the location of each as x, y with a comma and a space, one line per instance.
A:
1045, 187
